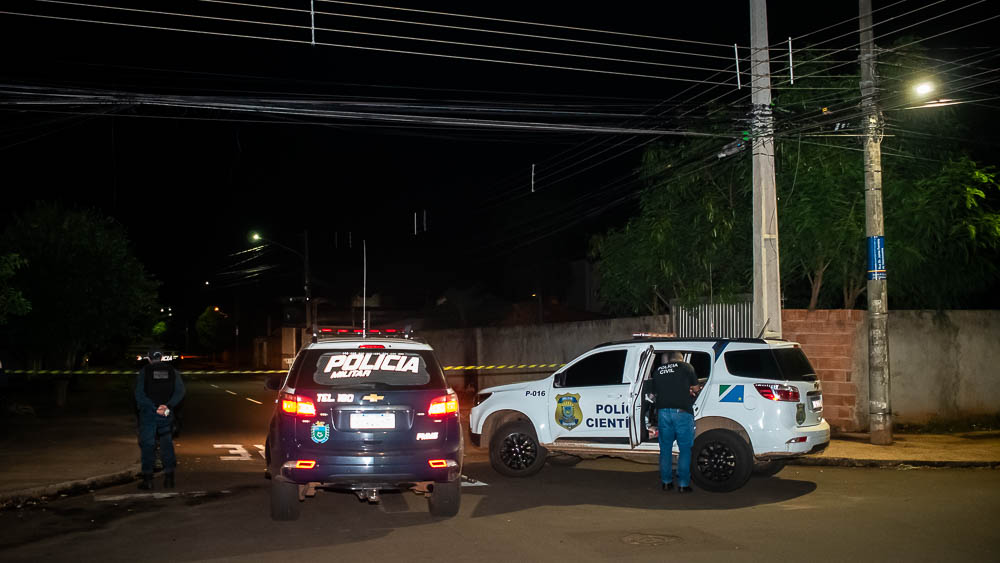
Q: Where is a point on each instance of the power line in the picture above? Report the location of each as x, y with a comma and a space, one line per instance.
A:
463, 28
854, 32
554, 26
838, 50
286, 107
345, 46
371, 34
838, 24
916, 41
81, 121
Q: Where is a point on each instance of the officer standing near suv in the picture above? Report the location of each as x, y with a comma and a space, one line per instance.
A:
158, 390
676, 385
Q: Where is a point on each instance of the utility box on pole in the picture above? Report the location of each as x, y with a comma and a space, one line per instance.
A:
766, 272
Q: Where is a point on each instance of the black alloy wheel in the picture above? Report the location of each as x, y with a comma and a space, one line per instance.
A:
721, 461
515, 451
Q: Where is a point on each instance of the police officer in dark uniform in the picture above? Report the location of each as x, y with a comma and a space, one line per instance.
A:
158, 390
676, 385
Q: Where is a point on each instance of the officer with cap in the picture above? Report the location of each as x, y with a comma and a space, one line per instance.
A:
158, 390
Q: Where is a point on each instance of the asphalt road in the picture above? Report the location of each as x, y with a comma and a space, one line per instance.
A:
596, 510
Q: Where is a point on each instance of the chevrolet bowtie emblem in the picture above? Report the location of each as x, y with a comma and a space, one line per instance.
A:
372, 397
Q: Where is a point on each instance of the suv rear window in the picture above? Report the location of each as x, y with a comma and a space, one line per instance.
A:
374, 368
782, 364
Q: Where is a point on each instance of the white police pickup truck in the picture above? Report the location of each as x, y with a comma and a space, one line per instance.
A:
760, 405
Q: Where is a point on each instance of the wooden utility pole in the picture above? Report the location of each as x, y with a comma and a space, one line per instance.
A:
879, 410
766, 274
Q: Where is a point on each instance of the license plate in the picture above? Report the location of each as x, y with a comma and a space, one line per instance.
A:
817, 403
373, 420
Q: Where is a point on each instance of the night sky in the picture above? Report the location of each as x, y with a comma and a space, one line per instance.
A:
215, 175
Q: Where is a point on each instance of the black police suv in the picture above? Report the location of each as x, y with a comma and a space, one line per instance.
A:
364, 414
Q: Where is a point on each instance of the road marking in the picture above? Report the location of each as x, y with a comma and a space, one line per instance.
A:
253, 401
230, 392
260, 450
239, 452
214, 385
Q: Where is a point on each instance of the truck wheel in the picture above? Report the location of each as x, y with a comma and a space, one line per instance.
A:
445, 498
769, 468
515, 451
267, 459
721, 461
285, 503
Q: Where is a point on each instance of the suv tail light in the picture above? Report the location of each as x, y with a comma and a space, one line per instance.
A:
443, 405
778, 392
297, 405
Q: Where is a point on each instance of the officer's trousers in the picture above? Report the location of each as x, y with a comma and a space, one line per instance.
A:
151, 427
676, 424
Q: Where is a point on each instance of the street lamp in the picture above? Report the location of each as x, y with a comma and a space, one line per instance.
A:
924, 88
304, 256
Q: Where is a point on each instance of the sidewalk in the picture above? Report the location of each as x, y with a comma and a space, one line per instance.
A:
967, 449
91, 443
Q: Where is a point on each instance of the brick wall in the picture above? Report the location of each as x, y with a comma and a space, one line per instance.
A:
828, 339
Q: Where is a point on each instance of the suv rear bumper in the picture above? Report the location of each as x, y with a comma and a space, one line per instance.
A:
814, 438
373, 471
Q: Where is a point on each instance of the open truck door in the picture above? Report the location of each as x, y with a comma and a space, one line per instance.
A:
635, 396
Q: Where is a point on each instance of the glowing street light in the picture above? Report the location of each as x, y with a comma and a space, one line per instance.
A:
924, 88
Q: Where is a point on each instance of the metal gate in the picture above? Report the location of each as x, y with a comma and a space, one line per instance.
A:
714, 320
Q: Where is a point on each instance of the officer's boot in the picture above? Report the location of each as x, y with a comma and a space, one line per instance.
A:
147, 482
168, 480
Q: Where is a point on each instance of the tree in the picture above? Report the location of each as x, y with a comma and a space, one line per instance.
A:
945, 236
87, 290
214, 329
691, 239
12, 301
821, 206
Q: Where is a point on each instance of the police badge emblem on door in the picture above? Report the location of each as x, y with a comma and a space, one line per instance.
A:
568, 413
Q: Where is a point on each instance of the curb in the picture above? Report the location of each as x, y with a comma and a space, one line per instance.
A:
851, 462
9, 499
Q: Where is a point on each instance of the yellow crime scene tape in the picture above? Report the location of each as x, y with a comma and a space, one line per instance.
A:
253, 372
511, 366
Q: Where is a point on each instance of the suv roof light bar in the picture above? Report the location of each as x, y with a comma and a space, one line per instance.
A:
330, 332
653, 335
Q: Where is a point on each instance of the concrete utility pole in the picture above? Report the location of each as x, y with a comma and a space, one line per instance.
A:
766, 273
880, 413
